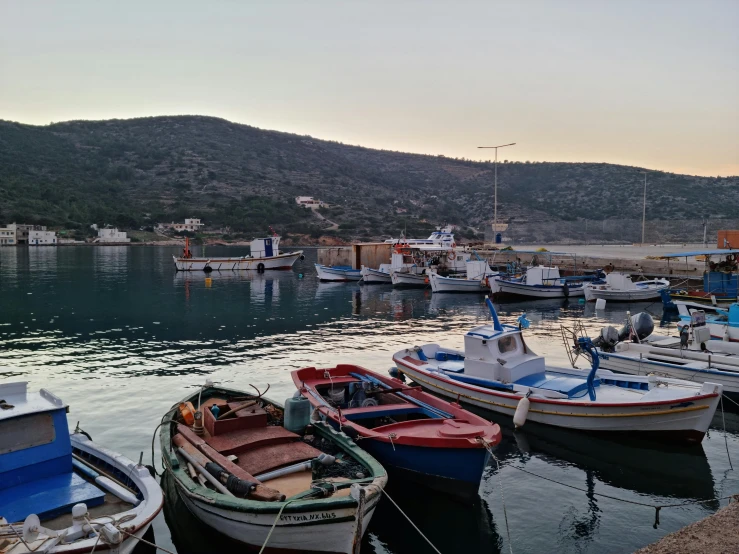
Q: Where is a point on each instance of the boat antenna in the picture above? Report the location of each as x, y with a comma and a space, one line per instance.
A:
496, 322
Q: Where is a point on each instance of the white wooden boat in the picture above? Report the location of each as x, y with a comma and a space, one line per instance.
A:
498, 372
692, 356
406, 277
67, 488
381, 275
278, 493
338, 273
265, 254
477, 279
443, 239
539, 282
620, 288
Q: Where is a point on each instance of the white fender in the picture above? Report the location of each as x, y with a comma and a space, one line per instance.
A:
522, 411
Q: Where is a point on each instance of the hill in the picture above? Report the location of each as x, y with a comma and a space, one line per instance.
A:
133, 173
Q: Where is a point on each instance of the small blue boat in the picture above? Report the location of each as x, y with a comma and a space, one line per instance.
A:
48, 475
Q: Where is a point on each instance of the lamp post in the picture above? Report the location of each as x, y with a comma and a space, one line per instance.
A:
644, 209
495, 194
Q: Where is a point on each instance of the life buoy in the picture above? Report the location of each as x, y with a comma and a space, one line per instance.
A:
451, 255
731, 258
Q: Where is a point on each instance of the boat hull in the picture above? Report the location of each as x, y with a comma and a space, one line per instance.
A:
281, 261
402, 279
451, 284
503, 287
668, 420
326, 273
325, 530
370, 275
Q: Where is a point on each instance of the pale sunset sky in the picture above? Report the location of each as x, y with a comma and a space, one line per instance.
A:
651, 83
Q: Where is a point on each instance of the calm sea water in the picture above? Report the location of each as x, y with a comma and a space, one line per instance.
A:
121, 337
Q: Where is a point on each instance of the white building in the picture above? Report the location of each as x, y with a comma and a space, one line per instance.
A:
309, 202
191, 224
22, 230
112, 235
39, 238
7, 236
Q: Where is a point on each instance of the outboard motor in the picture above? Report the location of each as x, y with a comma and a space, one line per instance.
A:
607, 339
642, 324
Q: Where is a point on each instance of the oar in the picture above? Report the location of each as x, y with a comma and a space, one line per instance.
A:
410, 399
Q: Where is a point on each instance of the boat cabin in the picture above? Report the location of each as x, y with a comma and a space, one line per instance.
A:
265, 247
36, 462
542, 275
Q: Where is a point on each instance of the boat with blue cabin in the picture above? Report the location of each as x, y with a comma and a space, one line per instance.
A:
721, 321
416, 434
498, 371
61, 492
264, 254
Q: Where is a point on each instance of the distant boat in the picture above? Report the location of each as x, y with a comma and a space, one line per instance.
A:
74, 495
720, 279
498, 372
539, 282
443, 238
723, 322
338, 273
407, 277
242, 472
265, 254
620, 288
477, 280
429, 440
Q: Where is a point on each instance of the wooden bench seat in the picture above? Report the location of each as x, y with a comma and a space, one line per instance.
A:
267, 458
239, 441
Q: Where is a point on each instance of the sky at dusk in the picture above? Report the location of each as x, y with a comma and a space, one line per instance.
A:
651, 83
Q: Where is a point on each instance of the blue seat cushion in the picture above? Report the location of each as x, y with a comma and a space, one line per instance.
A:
564, 384
48, 497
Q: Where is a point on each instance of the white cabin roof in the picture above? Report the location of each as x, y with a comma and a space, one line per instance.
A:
25, 402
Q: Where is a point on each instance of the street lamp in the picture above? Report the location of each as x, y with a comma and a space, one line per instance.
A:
495, 209
644, 208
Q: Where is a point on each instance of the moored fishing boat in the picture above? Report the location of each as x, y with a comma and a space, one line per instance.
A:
720, 279
380, 275
620, 288
722, 322
265, 254
498, 372
407, 277
692, 356
429, 440
338, 273
74, 495
240, 470
538, 282
477, 280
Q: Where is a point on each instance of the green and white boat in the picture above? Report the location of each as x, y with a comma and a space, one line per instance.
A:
241, 472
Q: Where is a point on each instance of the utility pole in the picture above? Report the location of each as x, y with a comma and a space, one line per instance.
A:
495, 193
644, 209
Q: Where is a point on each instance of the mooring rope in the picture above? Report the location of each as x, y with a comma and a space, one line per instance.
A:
487, 446
274, 523
409, 521
726, 439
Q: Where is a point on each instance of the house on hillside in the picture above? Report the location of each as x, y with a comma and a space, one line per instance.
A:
309, 202
22, 230
111, 235
191, 224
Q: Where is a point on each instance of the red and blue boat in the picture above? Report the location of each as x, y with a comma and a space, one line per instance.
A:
411, 432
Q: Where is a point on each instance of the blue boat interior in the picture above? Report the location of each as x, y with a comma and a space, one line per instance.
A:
36, 475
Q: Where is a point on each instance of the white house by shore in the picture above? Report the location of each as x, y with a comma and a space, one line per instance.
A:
41, 238
112, 235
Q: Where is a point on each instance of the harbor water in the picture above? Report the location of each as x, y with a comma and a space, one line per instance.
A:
120, 336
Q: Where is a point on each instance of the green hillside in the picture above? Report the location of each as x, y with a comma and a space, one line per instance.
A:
133, 173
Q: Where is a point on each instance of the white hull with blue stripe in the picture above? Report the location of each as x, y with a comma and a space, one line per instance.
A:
337, 273
498, 372
538, 291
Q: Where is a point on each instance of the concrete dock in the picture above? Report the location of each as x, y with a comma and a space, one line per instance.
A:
716, 534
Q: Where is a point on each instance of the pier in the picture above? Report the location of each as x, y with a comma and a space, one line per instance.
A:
717, 533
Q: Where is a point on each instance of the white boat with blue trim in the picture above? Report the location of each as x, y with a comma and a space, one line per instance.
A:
498, 372
338, 273
692, 356
539, 282
723, 322
619, 287
62, 493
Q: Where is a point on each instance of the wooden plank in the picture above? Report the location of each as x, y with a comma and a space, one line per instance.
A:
248, 439
267, 458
